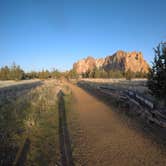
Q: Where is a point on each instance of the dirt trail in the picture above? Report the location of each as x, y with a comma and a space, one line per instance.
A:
109, 140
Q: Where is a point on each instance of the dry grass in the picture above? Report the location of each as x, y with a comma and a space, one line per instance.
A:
30, 111
13, 83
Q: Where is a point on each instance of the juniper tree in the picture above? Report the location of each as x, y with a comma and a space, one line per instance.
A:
157, 74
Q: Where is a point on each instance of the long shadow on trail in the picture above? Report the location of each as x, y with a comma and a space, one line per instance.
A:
65, 145
21, 159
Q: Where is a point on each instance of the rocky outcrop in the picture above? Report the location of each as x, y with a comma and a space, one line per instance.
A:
84, 65
100, 62
124, 61
120, 60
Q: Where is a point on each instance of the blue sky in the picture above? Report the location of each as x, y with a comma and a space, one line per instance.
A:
40, 34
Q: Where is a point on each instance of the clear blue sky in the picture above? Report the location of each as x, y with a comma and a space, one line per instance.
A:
40, 34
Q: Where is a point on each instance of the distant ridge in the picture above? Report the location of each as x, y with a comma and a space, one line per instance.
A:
120, 60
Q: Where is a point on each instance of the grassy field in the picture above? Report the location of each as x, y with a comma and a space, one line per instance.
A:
30, 112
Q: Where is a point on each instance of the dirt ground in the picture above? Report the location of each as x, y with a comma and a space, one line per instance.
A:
103, 139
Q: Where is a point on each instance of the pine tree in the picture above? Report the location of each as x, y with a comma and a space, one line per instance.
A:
4, 73
129, 74
157, 74
97, 73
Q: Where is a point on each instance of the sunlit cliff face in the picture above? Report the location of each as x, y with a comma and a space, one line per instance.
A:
121, 60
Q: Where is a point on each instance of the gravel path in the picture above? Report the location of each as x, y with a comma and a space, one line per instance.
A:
107, 138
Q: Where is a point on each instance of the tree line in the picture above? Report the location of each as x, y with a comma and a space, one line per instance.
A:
15, 72
101, 73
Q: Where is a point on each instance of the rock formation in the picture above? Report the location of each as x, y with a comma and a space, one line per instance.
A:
85, 65
120, 60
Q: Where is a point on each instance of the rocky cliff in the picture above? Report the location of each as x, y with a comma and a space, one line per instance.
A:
85, 65
120, 60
